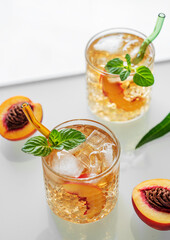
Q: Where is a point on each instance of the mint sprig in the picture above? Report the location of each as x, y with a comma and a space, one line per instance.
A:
114, 66
158, 131
64, 139
38, 146
142, 77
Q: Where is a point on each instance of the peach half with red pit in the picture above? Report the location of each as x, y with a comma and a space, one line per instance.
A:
92, 195
151, 201
13, 122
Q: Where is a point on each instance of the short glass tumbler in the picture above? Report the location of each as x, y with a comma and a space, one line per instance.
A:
108, 97
91, 191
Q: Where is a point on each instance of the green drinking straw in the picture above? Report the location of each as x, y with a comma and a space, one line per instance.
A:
148, 40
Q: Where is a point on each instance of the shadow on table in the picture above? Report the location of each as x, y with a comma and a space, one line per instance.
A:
11, 150
104, 229
142, 231
47, 235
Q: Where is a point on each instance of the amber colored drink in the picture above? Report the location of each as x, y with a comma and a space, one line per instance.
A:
82, 183
108, 97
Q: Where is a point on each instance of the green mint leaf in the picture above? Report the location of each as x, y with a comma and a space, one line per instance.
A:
38, 146
54, 137
66, 138
124, 75
114, 66
128, 59
143, 77
70, 138
58, 147
158, 131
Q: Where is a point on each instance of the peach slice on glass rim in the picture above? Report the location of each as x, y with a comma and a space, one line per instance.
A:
151, 201
92, 195
13, 122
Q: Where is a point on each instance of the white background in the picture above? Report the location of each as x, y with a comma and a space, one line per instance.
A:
42, 39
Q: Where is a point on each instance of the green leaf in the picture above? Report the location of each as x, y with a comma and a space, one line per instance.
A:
71, 138
158, 131
143, 77
54, 137
114, 66
38, 146
58, 147
128, 59
124, 75
65, 139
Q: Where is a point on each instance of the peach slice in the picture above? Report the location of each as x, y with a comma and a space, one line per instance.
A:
13, 122
92, 195
115, 93
151, 201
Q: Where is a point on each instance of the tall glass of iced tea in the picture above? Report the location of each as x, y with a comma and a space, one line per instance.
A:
108, 97
82, 183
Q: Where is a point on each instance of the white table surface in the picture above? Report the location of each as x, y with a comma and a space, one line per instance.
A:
24, 213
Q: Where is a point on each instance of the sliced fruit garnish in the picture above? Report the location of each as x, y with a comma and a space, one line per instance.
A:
151, 201
92, 195
13, 122
115, 92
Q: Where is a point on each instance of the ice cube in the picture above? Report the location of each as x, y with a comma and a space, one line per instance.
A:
106, 154
84, 158
87, 130
101, 159
134, 52
130, 45
82, 152
67, 164
110, 44
96, 163
95, 139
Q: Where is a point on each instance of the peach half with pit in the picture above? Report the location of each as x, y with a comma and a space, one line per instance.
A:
151, 201
13, 122
92, 196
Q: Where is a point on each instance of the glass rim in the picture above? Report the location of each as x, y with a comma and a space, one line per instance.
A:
114, 29
116, 159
